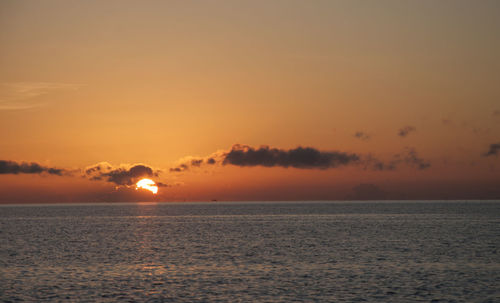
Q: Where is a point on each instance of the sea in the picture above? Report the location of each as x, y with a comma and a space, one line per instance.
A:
377, 251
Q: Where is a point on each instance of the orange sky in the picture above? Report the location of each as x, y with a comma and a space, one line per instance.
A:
153, 82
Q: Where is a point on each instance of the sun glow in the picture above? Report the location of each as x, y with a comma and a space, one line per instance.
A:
147, 184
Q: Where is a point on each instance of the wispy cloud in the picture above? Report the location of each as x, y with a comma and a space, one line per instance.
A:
408, 157
362, 135
493, 150
411, 158
405, 131
24, 95
187, 162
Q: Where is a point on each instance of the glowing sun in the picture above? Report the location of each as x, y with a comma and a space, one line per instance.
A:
147, 184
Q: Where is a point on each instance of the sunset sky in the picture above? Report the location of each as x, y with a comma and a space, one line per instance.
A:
249, 100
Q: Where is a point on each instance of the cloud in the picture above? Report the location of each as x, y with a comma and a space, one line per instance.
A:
12, 167
180, 168
372, 163
122, 175
494, 150
300, 157
496, 113
187, 162
362, 135
403, 132
408, 156
126, 174
23, 95
245, 156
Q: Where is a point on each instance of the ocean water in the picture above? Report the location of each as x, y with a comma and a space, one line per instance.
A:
252, 252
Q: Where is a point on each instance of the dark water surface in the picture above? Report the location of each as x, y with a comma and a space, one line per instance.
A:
252, 252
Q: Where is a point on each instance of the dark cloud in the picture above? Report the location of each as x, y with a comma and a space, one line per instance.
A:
244, 155
124, 175
362, 135
300, 157
494, 150
403, 132
12, 167
496, 113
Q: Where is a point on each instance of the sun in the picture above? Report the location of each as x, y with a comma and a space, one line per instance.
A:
147, 184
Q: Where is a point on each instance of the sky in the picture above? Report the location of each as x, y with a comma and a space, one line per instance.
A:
249, 100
